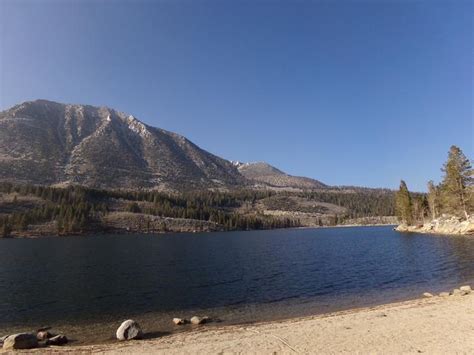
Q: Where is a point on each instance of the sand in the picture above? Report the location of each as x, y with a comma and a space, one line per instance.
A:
440, 325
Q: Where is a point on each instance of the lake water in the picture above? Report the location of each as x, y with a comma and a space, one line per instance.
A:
235, 277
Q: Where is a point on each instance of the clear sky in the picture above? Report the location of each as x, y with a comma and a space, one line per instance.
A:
347, 92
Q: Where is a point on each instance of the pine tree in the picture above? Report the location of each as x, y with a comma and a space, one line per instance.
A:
419, 208
404, 205
433, 199
457, 184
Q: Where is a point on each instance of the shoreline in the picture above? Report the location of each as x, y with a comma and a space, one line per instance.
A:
444, 225
90, 234
91, 332
419, 231
436, 324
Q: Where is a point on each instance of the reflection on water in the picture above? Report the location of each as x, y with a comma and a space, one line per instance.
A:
237, 276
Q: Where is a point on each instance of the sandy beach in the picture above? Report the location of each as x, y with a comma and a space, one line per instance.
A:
430, 325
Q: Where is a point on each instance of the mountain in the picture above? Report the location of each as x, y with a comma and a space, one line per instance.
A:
44, 142
263, 173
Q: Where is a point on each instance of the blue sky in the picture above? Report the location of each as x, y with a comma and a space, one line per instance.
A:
348, 92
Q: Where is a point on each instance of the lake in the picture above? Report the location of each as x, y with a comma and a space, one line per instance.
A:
85, 286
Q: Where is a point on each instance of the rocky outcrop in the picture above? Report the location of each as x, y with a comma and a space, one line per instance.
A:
445, 224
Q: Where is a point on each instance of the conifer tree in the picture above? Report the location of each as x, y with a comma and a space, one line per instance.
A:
433, 199
457, 183
404, 206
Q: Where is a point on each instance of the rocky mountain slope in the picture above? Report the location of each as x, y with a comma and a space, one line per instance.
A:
263, 173
44, 142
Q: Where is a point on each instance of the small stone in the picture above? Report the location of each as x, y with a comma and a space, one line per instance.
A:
179, 321
43, 335
57, 340
456, 292
199, 320
20, 341
427, 294
129, 330
444, 294
466, 288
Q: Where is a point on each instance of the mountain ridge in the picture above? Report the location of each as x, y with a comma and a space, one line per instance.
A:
52, 143
264, 173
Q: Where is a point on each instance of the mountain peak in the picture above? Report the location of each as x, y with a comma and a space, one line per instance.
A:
46, 142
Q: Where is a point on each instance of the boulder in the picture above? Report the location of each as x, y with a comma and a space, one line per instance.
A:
199, 320
456, 292
20, 341
179, 321
43, 335
57, 340
444, 294
129, 330
466, 288
427, 294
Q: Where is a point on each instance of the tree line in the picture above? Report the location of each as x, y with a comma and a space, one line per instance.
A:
358, 202
453, 196
75, 209
78, 209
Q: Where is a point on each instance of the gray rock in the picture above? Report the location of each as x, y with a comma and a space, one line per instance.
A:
427, 294
199, 320
20, 341
466, 288
43, 335
179, 321
57, 340
129, 330
444, 294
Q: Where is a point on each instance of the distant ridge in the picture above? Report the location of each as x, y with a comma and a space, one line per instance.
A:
264, 173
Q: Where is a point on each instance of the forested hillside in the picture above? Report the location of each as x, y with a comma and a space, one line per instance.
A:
42, 210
